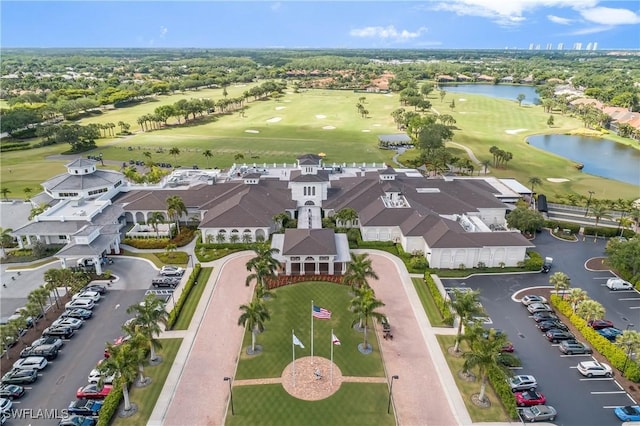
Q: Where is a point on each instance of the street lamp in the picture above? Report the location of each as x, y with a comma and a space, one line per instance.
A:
190, 260
626, 359
228, 379
396, 377
588, 203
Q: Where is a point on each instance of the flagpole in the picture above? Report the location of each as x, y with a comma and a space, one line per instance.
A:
331, 375
312, 331
293, 368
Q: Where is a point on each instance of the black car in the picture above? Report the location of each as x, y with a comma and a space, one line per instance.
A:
550, 324
49, 352
79, 313
55, 341
61, 332
18, 377
96, 287
85, 407
77, 421
555, 335
11, 391
169, 282
544, 316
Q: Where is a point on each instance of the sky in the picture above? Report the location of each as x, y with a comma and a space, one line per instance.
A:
431, 24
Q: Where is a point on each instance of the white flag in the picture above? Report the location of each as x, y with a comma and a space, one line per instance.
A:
334, 339
297, 341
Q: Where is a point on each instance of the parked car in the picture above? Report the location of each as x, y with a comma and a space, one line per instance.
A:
629, 413
618, 284
12, 391
532, 298
93, 295
539, 307
54, 341
598, 324
118, 341
85, 407
79, 313
61, 332
5, 405
31, 363
546, 265
538, 413
77, 421
171, 271
80, 303
18, 377
49, 352
171, 282
95, 375
555, 335
573, 347
610, 333
95, 287
73, 323
595, 368
544, 316
93, 391
508, 347
522, 382
551, 324
529, 398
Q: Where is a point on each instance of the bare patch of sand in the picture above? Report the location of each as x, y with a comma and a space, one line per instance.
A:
388, 94
287, 100
377, 125
274, 119
279, 108
558, 180
366, 130
514, 131
462, 100
252, 131
320, 116
328, 127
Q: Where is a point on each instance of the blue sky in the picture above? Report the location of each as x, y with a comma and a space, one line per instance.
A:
446, 24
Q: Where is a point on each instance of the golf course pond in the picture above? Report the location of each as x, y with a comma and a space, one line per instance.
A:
600, 157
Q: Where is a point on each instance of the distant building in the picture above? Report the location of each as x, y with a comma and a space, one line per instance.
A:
560, 46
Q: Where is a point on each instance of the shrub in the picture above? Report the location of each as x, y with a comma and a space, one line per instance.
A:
498, 380
553, 224
175, 312
441, 304
533, 262
111, 403
418, 263
603, 232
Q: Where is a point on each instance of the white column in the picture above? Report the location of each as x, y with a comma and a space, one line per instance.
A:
96, 262
317, 267
331, 267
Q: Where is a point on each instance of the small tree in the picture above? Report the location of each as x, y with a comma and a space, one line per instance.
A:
253, 318
559, 281
465, 305
550, 121
590, 310
520, 98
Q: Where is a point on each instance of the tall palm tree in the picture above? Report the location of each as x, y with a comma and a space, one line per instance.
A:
156, 218
207, 154
629, 340
560, 281
27, 192
149, 315
465, 305
123, 363
533, 181
5, 192
598, 211
39, 296
263, 265
346, 217
281, 220
139, 341
575, 296
253, 317
174, 151
485, 163
175, 209
37, 211
8, 335
364, 307
590, 310
359, 270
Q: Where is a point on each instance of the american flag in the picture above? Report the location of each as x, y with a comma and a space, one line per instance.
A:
320, 313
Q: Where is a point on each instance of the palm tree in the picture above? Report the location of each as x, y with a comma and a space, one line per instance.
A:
560, 281
17, 325
175, 151
346, 217
207, 154
598, 211
281, 219
52, 288
629, 340
149, 314
39, 296
575, 297
123, 363
8, 336
140, 343
5, 192
364, 307
37, 211
485, 163
175, 209
358, 271
533, 181
253, 317
27, 192
263, 264
590, 309
6, 239
156, 218
465, 305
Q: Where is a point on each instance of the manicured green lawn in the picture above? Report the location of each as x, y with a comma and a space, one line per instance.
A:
429, 306
190, 305
353, 404
145, 398
155, 258
291, 309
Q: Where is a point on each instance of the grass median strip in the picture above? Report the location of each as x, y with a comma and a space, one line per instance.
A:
189, 308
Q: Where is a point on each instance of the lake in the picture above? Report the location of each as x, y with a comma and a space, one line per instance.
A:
501, 91
601, 157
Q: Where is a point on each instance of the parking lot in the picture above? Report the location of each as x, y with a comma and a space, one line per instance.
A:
579, 400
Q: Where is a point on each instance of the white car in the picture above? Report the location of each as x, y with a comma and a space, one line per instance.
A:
93, 295
74, 323
618, 284
31, 363
595, 368
539, 307
532, 298
80, 303
171, 271
95, 375
5, 405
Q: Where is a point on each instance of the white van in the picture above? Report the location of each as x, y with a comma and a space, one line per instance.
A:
618, 284
80, 303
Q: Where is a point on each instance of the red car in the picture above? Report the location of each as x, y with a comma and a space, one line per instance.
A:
599, 324
529, 398
92, 391
508, 347
120, 340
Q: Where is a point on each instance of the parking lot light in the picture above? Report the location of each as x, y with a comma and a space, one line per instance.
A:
228, 379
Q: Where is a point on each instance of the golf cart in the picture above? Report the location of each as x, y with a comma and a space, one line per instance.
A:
546, 266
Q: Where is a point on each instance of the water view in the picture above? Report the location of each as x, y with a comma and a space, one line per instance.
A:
501, 91
601, 157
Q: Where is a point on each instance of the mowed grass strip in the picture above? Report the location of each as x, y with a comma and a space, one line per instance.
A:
291, 310
352, 404
145, 398
189, 307
428, 304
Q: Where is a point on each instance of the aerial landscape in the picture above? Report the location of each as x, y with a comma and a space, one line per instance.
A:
291, 212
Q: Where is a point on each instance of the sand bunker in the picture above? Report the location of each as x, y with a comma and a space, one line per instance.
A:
287, 100
366, 130
462, 100
557, 180
252, 131
320, 116
328, 127
514, 131
388, 94
274, 120
279, 108
377, 125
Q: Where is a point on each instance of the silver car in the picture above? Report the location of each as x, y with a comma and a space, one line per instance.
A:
538, 413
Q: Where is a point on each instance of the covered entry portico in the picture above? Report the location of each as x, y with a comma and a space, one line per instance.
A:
92, 242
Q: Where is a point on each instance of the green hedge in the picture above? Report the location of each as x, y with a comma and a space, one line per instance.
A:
553, 224
498, 379
613, 353
602, 232
441, 304
175, 312
111, 403
534, 262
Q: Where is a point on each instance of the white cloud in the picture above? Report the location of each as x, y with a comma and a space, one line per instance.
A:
163, 31
387, 33
559, 20
610, 16
589, 30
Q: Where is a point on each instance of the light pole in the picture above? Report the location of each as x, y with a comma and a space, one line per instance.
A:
588, 203
396, 377
190, 260
228, 379
626, 359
